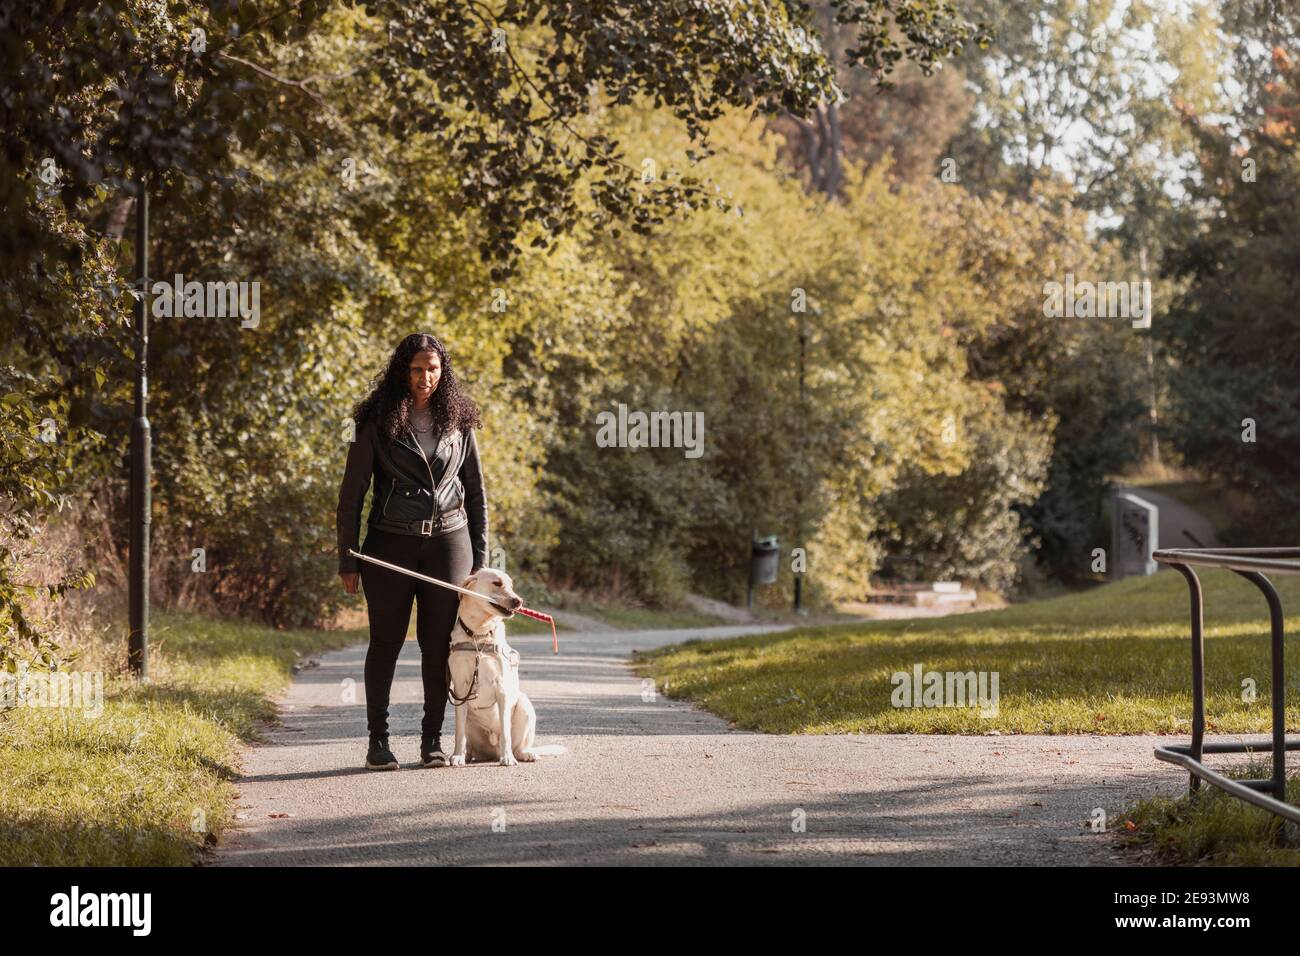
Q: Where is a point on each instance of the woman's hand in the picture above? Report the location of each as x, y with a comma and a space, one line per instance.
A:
350, 579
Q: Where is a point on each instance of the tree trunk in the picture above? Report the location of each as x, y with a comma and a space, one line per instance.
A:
823, 145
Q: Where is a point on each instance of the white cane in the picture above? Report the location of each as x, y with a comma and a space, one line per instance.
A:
555, 640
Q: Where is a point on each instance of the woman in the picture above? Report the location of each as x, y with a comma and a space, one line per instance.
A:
415, 437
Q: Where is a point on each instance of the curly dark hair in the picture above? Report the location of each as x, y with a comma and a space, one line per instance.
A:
390, 399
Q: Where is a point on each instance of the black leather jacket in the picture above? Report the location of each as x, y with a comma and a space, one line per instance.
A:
405, 499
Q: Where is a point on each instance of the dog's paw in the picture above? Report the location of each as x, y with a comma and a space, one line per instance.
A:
509, 761
527, 756
457, 760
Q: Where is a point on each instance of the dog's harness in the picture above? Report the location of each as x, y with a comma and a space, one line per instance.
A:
479, 650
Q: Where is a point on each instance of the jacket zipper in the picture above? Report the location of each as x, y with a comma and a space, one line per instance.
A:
433, 492
450, 474
429, 468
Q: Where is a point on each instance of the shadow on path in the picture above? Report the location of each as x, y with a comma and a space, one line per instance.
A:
650, 781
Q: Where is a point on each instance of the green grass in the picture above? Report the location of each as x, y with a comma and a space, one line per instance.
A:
1111, 660
147, 782
1215, 829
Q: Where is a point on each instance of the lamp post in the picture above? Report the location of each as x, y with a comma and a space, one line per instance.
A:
803, 448
141, 458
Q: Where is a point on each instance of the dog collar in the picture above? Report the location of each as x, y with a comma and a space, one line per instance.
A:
473, 636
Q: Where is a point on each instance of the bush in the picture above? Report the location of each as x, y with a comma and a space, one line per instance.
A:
965, 526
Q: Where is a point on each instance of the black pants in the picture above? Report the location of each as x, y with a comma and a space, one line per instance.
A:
448, 557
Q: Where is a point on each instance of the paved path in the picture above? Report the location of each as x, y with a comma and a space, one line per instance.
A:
661, 782
1180, 526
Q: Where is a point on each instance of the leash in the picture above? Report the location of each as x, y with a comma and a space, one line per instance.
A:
529, 612
472, 693
473, 684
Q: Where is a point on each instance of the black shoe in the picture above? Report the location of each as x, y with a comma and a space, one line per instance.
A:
431, 754
379, 757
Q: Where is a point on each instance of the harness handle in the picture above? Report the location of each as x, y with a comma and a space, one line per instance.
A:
473, 685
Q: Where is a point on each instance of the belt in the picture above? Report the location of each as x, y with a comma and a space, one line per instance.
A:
428, 526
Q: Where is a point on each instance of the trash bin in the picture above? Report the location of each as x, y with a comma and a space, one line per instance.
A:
763, 559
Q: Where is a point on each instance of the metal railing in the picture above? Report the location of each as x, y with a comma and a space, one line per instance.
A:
1249, 563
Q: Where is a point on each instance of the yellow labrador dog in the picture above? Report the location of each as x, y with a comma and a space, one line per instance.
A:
495, 719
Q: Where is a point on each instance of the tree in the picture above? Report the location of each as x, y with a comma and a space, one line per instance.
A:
220, 107
1232, 333
920, 109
